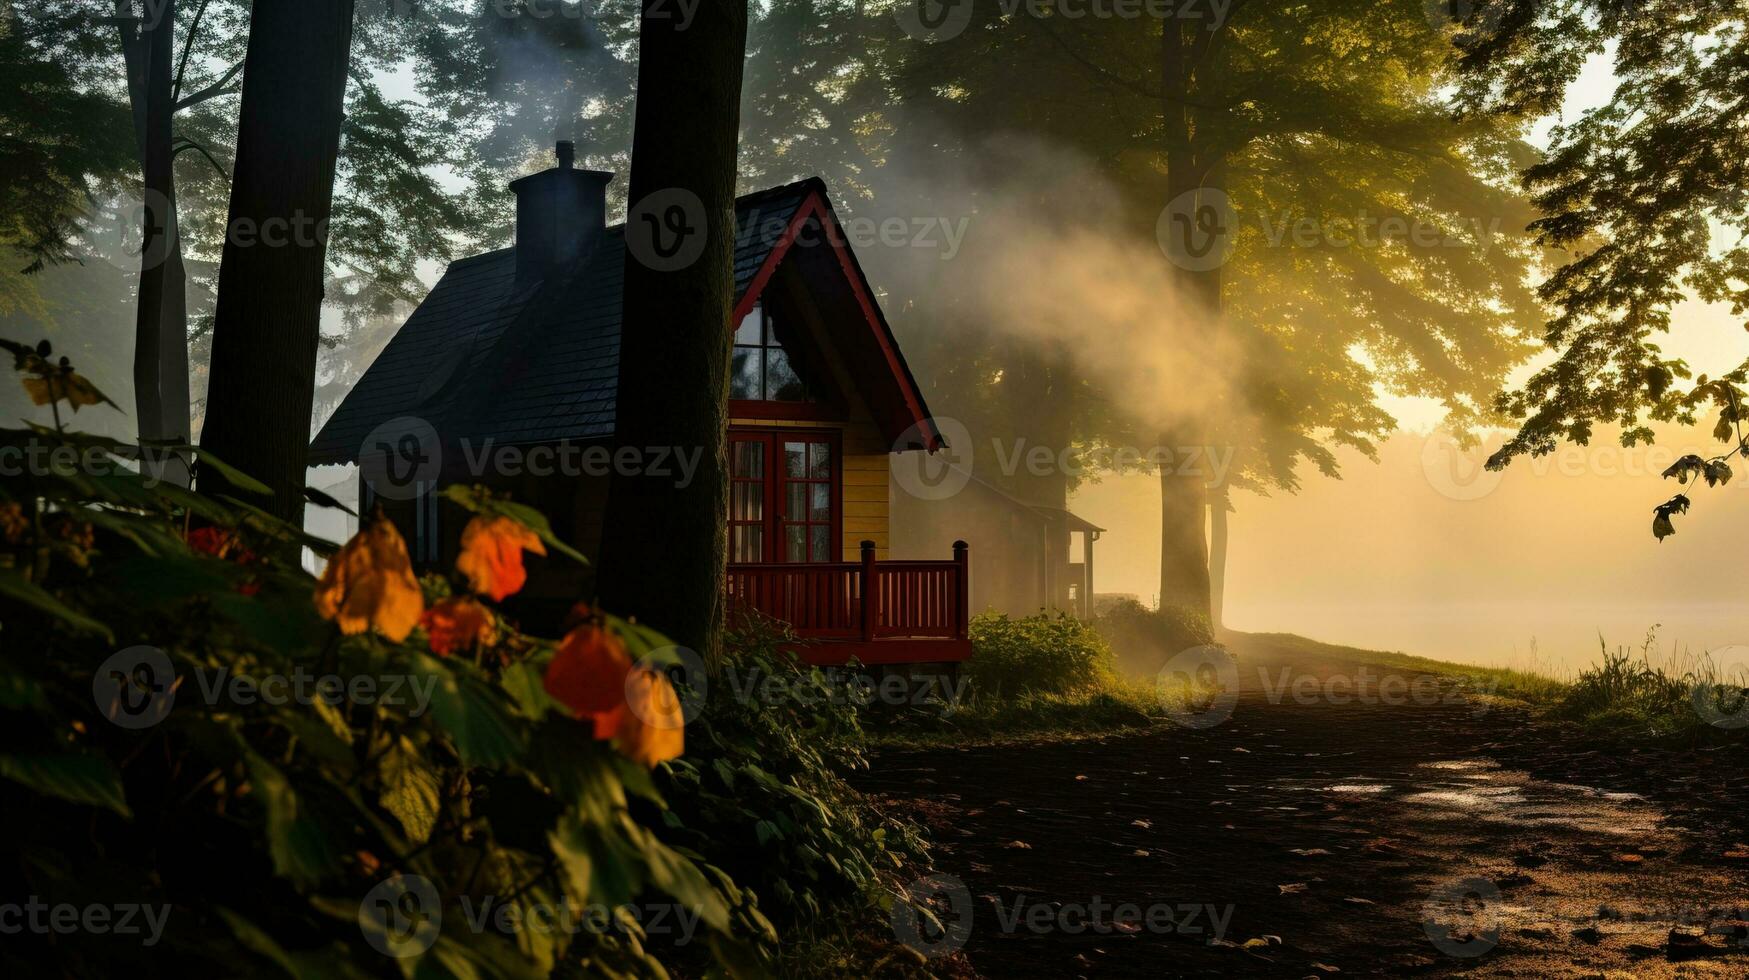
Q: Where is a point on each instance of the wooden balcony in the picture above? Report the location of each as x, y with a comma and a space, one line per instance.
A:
879, 612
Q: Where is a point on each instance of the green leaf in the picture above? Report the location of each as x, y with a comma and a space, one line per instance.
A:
74, 778
410, 790
299, 847
235, 477
15, 586
477, 718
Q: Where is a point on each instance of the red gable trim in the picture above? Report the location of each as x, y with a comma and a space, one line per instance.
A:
816, 206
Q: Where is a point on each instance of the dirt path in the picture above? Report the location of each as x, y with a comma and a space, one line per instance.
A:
1306, 837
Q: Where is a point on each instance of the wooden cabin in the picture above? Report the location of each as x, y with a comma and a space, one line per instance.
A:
507, 374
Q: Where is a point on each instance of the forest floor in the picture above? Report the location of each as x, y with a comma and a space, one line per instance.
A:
1334, 823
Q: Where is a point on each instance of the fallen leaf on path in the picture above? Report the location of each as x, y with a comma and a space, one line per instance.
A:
1238, 749
1327, 968
1144, 824
1018, 845
1742, 855
1080, 779
1360, 901
1629, 859
1307, 852
1292, 889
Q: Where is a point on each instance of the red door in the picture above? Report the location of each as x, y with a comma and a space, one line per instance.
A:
784, 493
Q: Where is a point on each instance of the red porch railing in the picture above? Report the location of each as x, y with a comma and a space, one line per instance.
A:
866, 600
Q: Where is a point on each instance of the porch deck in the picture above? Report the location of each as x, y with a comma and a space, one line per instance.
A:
877, 612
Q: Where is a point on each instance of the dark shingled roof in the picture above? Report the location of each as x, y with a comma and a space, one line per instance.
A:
466, 360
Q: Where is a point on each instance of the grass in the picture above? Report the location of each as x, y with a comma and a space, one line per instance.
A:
1679, 698
1628, 696
1111, 705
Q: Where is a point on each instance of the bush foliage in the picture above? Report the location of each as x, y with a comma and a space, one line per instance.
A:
1041, 654
336, 777
1144, 639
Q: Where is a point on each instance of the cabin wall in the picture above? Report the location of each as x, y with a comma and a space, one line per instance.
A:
1010, 556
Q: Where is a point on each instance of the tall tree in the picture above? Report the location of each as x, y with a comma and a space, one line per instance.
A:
268, 321
1645, 196
1325, 117
664, 545
161, 320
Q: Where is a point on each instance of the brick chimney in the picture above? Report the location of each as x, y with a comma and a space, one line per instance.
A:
560, 214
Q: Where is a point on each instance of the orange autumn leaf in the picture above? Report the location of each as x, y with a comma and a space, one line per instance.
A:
369, 583
457, 623
588, 676
653, 729
491, 555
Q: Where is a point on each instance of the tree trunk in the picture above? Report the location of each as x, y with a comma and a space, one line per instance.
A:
268, 317
1191, 165
1218, 511
161, 318
664, 545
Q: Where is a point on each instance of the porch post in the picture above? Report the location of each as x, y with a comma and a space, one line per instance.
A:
868, 590
963, 588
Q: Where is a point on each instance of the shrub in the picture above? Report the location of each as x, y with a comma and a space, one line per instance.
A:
1144, 639
762, 785
1041, 654
503, 778
1627, 695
